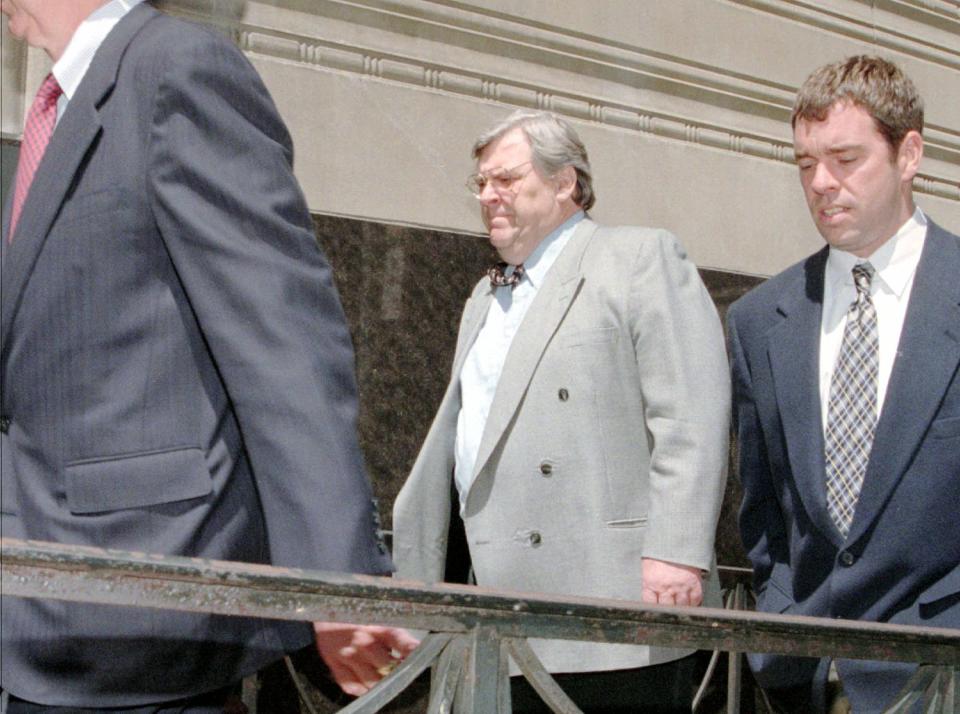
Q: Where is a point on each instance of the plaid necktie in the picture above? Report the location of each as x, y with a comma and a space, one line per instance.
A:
498, 278
41, 120
852, 410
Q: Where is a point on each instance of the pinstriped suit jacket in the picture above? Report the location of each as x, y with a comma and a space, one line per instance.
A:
177, 375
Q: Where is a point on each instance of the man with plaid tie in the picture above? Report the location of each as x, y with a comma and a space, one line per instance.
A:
177, 373
847, 392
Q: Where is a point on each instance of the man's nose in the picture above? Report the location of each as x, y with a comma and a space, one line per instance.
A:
488, 195
823, 179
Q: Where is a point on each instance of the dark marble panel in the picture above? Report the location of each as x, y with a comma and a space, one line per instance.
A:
725, 287
403, 290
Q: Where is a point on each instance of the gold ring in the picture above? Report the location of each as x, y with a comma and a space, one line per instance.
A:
387, 668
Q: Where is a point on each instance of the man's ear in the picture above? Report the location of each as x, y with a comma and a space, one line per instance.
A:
909, 155
566, 179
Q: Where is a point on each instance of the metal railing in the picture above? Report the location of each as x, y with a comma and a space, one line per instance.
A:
475, 630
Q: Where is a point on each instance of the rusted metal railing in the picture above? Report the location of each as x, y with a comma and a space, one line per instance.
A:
475, 630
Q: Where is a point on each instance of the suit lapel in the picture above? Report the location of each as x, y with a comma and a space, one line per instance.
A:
5, 228
927, 359
794, 353
539, 325
76, 132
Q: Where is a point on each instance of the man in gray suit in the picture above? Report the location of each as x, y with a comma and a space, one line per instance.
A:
177, 374
584, 430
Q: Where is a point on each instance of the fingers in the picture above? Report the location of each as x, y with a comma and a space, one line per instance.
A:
671, 584
350, 681
399, 640
359, 656
671, 597
666, 596
680, 596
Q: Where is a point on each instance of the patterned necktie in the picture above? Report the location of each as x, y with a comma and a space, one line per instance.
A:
852, 411
498, 278
41, 120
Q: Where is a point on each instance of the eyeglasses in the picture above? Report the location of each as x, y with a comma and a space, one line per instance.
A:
502, 180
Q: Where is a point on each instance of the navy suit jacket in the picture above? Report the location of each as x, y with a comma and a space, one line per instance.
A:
901, 560
177, 373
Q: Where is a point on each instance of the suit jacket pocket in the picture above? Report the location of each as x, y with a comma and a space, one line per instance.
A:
8, 479
591, 336
92, 203
638, 522
774, 599
136, 480
940, 597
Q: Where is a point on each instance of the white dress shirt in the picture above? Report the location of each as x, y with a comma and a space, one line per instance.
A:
76, 58
895, 263
484, 362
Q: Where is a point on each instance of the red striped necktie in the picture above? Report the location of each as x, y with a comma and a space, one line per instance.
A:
41, 121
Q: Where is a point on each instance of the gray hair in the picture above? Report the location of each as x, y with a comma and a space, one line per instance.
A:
554, 144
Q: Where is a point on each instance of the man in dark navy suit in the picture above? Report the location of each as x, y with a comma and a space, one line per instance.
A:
177, 373
847, 392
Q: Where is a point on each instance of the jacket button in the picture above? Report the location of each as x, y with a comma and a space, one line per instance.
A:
535, 538
847, 558
546, 468
564, 395
4, 424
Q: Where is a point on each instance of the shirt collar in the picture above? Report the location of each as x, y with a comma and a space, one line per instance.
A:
543, 256
895, 261
76, 58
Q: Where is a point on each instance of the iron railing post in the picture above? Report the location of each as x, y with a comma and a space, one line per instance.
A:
735, 658
481, 684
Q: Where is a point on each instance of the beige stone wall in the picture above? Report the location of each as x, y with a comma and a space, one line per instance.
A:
684, 105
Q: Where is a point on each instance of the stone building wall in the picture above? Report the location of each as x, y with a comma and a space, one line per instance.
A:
684, 106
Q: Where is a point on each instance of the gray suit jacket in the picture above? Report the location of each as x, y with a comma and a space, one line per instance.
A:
606, 441
177, 374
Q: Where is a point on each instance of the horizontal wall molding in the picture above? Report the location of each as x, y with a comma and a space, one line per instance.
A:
492, 34
874, 23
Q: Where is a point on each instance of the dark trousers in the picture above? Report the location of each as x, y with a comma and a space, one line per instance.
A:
219, 702
658, 689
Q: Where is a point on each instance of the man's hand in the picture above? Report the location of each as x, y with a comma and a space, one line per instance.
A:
671, 583
359, 656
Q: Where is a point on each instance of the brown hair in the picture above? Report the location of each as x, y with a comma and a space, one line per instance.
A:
873, 83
